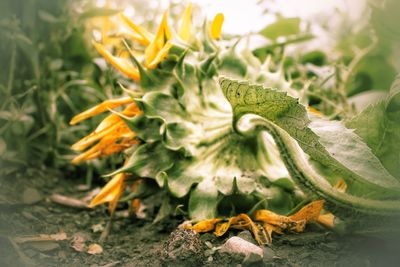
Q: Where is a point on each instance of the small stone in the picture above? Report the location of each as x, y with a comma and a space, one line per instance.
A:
237, 245
96, 228
31, 196
94, 249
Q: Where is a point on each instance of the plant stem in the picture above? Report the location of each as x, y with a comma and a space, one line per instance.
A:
12, 69
11, 72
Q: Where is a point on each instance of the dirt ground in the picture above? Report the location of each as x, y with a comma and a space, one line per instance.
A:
26, 212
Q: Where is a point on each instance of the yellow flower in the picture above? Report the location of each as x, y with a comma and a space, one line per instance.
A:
121, 64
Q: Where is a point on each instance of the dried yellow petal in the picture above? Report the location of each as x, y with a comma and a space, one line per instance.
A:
314, 111
341, 185
310, 212
100, 108
160, 55
205, 226
216, 26
327, 220
185, 30
110, 192
121, 64
144, 36
222, 228
162, 36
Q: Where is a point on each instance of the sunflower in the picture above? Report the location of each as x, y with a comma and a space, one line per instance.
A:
181, 130
113, 135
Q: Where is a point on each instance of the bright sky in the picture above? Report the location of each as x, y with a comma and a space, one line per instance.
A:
242, 16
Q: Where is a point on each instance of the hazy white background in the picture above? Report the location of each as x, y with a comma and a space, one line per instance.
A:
242, 16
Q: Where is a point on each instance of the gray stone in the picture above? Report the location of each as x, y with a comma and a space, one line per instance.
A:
237, 245
31, 196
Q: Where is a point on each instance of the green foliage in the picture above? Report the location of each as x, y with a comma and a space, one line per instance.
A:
49, 77
283, 27
379, 127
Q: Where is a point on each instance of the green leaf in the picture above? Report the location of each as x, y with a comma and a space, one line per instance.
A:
145, 128
203, 201
148, 160
282, 27
327, 142
379, 127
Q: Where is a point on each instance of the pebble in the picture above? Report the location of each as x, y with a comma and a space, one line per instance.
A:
31, 196
237, 245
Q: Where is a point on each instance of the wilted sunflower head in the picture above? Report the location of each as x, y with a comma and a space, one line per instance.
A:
177, 126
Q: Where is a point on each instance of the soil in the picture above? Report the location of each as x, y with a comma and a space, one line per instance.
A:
26, 210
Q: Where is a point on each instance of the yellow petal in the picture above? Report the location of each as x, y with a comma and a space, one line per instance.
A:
122, 64
133, 36
110, 191
145, 36
327, 220
314, 111
93, 152
162, 36
272, 218
310, 212
221, 228
262, 235
160, 55
341, 185
205, 226
216, 26
113, 203
107, 146
97, 135
104, 106
185, 30
243, 221
111, 126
